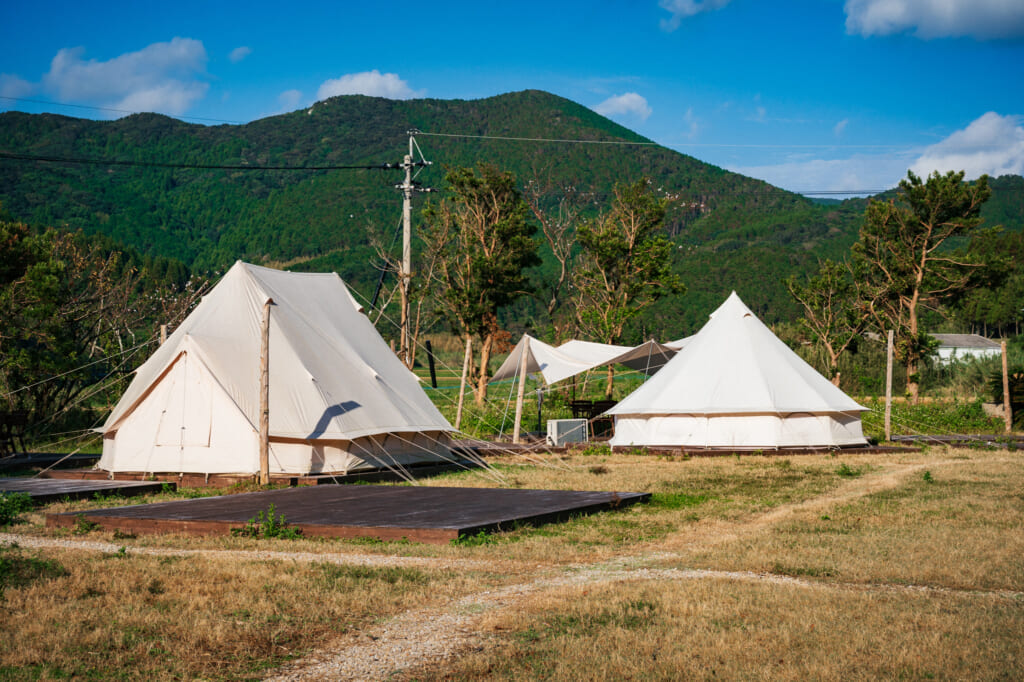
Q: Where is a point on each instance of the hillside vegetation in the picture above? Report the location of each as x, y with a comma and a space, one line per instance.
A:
732, 232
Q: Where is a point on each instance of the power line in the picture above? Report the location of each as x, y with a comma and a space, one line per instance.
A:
543, 139
14, 156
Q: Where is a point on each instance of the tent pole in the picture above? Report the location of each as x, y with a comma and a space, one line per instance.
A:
265, 395
521, 393
888, 388
462, 383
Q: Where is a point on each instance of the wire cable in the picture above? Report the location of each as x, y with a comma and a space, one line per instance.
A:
15, 156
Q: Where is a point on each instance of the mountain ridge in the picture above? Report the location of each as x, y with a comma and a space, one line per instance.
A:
733, 232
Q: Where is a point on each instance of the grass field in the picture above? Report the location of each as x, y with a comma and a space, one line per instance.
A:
898, 566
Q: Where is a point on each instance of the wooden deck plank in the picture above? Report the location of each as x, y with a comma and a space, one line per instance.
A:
50, 490
423, 514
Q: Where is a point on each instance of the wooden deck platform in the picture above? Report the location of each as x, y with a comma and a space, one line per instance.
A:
51, 490
419, 514
190, 480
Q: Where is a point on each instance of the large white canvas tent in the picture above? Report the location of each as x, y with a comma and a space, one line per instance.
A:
339, 399
736, 385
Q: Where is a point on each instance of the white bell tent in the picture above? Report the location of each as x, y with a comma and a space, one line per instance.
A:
736, 385
339, 399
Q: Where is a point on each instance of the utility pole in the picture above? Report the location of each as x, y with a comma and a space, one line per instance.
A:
405, 272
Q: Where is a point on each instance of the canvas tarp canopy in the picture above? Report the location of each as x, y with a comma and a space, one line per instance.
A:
339, 398
736, 385
575, 357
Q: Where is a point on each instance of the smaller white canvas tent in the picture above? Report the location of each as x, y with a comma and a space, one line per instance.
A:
339, 398
736, 385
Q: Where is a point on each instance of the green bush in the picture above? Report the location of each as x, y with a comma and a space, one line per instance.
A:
13, 504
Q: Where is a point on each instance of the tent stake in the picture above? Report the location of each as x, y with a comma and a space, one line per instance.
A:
265, 395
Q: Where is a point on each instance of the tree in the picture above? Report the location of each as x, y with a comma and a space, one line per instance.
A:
558, 219
74, 317
481, 243
625, 264
834, 314
907, 261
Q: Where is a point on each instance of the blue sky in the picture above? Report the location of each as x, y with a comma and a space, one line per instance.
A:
810, 95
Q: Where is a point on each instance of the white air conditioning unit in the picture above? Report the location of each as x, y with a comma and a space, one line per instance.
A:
562, 431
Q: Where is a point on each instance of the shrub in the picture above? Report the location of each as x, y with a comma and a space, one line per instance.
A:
13, 504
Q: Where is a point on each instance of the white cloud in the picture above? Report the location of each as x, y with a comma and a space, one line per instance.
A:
991, 144
373, 83
682, 9
239, 53
847, 177
840, 127
692, 125
630, 105
12, 86
926, 19
162, 77
290, 100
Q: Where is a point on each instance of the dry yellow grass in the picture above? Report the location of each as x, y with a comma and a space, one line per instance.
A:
861, 534
716, 629
172, 617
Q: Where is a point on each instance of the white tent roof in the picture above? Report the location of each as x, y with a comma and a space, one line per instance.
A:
332, 377
575, 357
736, 365
554, 364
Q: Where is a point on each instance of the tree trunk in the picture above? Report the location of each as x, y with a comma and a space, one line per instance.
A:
912, 386
835, 378
610, 383
485, 357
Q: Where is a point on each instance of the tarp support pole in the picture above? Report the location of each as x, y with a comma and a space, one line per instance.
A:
888, 387
265, 395
1007, 408
521, 393
462, 383
430, 361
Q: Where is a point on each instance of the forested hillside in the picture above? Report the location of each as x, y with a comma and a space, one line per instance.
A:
731, 232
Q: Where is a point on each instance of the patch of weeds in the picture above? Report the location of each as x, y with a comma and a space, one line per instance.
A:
341, 575
598, 469
635, 614
676, 500
84, 526
477, 540
18, 568
155, 587
927, 477
121, 553
268, 524
122, 535
373, 540
847, 471
596, 450
804, 571
12, 505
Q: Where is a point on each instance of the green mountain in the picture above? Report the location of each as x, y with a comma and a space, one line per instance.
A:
732, 232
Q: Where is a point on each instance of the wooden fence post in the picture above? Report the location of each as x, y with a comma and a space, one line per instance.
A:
888, 387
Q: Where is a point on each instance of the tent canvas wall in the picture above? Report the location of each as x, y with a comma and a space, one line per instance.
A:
736, 385
339, 398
